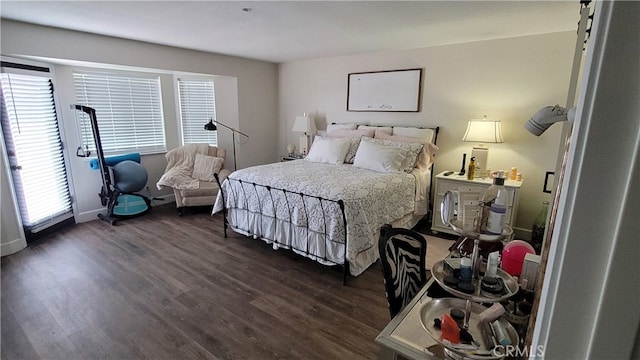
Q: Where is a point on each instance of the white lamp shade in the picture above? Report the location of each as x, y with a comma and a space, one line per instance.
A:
304, 124
484, 131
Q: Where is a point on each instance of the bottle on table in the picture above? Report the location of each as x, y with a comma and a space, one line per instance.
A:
497, 213
487, 199
472, 169
513, 174
539, 224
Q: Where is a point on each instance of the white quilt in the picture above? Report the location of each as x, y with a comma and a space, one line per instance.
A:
371, 200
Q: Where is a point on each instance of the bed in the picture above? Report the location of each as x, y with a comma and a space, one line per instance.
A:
330, 206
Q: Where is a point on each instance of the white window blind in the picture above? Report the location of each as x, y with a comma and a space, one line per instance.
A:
34, 147
128, 109
197, 107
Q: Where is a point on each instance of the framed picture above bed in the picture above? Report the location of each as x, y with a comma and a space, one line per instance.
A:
385, 91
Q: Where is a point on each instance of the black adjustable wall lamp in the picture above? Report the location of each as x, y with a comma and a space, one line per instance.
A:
211, 126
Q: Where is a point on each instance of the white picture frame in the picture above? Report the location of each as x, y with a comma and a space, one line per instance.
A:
385, 91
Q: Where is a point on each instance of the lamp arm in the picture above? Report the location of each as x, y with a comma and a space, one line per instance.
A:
566, 115
552, 114
232, 129
551, 120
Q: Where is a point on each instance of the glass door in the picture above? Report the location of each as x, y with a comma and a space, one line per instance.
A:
34, 149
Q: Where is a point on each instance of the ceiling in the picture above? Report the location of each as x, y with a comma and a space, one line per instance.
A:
283, 31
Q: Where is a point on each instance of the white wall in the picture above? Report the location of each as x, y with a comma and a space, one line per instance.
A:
247, 98
507, 79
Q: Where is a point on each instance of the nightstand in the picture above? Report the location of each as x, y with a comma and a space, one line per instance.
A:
477, 185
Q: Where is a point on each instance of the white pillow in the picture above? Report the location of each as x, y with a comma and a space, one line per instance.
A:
332, 127
424, 134
328, 150
344, 133
412, 150
379, 158
205, 166
354, 136
377, 129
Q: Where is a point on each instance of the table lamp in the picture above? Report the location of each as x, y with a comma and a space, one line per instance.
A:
307, 125
482, 131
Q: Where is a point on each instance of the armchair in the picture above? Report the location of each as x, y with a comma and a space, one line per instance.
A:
189, 173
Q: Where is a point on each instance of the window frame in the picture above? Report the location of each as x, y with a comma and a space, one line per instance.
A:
159, 145
211, 114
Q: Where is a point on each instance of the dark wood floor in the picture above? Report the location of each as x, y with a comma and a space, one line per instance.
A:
167, 287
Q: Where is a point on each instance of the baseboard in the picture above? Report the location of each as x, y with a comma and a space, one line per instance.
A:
93, 214
12, 247
522, 233
89, 215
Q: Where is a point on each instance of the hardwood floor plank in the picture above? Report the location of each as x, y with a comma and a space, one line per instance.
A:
162, 286
15, 343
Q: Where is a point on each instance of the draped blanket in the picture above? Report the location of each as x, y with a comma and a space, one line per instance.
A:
179, 168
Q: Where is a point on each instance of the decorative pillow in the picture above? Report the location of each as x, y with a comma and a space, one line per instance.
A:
379, 158
377, 129
425, 134
328, 150
332, 127
205, 166
426, 156
412, 151
353, 149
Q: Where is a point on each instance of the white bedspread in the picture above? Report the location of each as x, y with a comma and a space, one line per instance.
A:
371, 200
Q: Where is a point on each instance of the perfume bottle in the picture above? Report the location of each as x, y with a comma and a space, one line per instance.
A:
472, 169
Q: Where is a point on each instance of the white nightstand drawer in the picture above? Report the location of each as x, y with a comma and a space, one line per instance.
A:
446, 185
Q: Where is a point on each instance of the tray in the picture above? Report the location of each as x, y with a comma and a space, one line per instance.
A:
457, 227
511, 285
438, 307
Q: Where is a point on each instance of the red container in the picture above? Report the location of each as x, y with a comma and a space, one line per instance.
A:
513, 256
450, 329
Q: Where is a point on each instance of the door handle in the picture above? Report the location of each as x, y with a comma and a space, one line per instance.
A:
16, 167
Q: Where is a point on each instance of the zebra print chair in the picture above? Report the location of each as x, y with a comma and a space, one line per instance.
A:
403, 256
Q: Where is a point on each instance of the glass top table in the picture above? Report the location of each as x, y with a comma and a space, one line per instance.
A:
404, 334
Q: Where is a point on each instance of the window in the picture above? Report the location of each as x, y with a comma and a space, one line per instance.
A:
128, 109
34, 149
197, 107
